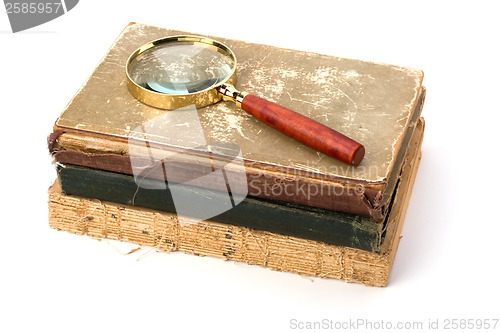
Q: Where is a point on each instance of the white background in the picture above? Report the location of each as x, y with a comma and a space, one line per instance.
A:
447, 263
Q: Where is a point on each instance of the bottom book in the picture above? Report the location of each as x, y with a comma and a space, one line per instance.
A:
161, 230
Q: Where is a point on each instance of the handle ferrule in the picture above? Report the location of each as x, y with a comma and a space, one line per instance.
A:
230, 93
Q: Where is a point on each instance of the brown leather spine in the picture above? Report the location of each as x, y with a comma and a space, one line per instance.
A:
305, 130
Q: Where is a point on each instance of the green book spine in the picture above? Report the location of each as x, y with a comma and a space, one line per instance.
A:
279, 217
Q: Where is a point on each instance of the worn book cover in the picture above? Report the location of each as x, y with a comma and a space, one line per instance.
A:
284, 218
105, 127
163, 231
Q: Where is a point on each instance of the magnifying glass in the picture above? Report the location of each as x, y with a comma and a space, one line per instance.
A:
178, 71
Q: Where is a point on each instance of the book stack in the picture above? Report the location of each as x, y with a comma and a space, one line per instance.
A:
215, 181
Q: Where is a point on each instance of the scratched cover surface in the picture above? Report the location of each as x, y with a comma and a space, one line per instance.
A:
369, 102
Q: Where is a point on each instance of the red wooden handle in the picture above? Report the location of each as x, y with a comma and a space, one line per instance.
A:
305, 130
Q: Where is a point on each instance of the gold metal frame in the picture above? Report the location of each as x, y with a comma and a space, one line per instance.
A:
223, 89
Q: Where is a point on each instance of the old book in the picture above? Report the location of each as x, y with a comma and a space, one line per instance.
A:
284, 218
105, 127
100, 219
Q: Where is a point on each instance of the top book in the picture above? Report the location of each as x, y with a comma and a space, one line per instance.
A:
375, 104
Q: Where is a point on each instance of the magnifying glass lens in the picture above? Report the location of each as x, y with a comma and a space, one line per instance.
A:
181, 68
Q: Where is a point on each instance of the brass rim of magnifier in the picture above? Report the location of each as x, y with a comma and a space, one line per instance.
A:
171, 101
